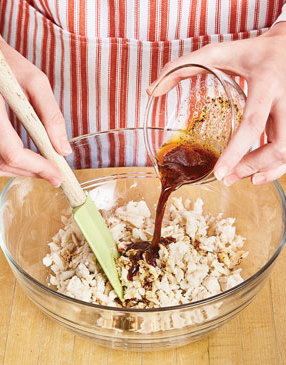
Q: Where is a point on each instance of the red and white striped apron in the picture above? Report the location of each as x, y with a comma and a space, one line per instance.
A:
101, 55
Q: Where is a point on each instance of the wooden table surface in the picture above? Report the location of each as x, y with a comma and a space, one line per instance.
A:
256, 336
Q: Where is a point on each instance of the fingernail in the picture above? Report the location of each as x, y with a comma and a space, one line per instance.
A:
149, 90
229, 180
65, 147
258, 179
56, 183
151, 87
220, 173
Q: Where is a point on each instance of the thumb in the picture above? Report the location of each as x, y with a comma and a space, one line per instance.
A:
219, 56
172, 74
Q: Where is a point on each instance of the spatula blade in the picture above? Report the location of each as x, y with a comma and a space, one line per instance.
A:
100, 240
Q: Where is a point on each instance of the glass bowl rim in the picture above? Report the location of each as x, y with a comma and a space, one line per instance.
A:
191, 305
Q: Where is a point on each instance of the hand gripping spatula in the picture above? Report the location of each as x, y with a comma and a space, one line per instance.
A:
85, 213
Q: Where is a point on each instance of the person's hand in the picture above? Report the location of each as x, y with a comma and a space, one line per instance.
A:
15, 160
262, 62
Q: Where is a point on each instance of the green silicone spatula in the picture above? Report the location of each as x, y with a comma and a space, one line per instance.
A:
85, 212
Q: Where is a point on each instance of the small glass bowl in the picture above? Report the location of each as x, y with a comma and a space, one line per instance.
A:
30, 212
203, 109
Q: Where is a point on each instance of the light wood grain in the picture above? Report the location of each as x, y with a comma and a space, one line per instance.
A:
225, 345
7, 286
88, 353
256, 336
61, 341
167, 357
124, 357
257, 331
278, 298
194, 354
25, 331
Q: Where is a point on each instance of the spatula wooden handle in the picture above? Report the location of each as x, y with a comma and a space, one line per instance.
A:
15, 97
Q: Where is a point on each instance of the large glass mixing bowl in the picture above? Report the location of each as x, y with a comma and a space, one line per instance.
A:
30, 212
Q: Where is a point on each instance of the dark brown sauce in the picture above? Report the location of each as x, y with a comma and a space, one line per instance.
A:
179, 163
139, 249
